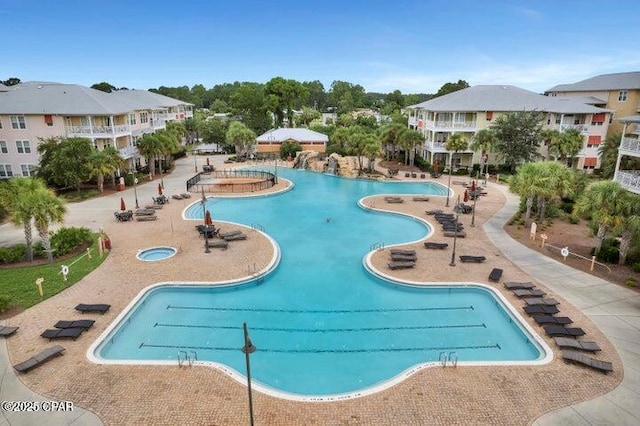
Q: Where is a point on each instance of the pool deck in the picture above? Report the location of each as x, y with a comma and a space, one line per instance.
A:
541, 395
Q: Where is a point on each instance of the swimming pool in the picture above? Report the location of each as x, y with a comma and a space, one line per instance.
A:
323, 325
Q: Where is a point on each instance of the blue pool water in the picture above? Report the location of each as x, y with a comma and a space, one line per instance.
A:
321, 322
156, 253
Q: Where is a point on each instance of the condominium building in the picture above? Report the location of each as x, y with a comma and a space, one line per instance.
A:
38, 110
619, 92
629, 147
475, 108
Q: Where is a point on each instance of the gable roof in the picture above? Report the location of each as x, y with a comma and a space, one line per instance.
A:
622, 80
504, 98
148, 98
296, 134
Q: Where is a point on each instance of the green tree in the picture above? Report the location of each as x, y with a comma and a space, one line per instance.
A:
307, 116
283, 97
609, 157
289, 149
518, 136
390, 138
409, 139
214, 130
316, 95
177, 128
484, 141
63, 161
219, 106
550, 138
50, 209
559, 184
629, 229
456, 142
372, 149
344, 97
19, 196
104, 87
150, 147
359, 138
241, 137
606, 203
249, 105
394, 101
530, 182
11, 81
567, 144
103, 163
451, 87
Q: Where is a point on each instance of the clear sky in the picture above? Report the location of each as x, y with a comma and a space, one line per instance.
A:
411, 45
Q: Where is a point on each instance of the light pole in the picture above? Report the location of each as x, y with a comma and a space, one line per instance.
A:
248, 349
135, 181
475, 198
486, 167
449, 183
204, 216
195, 160
455, 238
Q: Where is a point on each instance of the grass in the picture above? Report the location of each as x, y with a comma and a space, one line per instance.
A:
84, 194
20, 283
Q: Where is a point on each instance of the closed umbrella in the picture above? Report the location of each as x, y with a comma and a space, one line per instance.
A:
159, 189
207, 218
208, 161
473, 186
123, 207
466, 195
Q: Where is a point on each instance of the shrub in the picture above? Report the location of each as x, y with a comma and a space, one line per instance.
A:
66, 240
422, 164
635, 267
5, 302
573, 219
608, 252
13, 254
631, 282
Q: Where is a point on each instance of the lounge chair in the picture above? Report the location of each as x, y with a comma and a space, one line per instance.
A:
235, 237
541, 309
475, 259
221, 244
401, 251
146, 218
86, 324
38, 359
176, 197
102, 308
186, 195
435, 246
541, 301
433, 212
581, 358
559, 330
403, 257
529, 293
62, 333
459, 234
401, 265
123, 216
229, 233
153, 207
564, 342
421, 198
392, 200
7, 331
495, 275
145, 212
548, 319
511, 285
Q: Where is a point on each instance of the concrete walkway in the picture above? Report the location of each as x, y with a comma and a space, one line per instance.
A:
614, 309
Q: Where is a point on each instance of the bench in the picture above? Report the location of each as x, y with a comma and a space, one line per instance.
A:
436, 246
495, 275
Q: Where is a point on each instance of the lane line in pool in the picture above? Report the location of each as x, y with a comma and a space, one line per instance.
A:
318, 351
320, 311
323, 330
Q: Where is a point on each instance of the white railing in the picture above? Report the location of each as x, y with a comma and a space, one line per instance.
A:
630, 180
467, 125
630, 145
97, 130
562, 127
413, 121
128, 152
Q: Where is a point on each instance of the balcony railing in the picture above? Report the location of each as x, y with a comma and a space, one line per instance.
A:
629, 179
562, 127
630, 146
97, 130
128, 152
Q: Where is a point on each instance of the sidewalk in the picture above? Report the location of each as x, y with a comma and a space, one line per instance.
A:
614, 309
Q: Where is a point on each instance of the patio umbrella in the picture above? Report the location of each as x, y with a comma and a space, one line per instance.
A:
473, 186
207, 218
466, 195
123, 207
204, 199
159, 189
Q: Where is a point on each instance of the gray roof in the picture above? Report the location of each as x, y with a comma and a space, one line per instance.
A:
3, 87
37, 97
504, 99
630, 119
591, 100
622, 80
149, 98
296, 134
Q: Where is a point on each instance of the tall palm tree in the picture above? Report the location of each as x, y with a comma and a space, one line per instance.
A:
629, 229
372, 149
409, 139
150, 147
456, 142
529, 182
567, 144
549, 136
484, 140
390, 137
605, 202
559, 184
103, 163
49, 209
20, 198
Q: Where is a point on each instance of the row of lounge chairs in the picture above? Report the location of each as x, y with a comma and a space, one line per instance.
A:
62, 329
542, 310
402, 259
210, 232
450, 226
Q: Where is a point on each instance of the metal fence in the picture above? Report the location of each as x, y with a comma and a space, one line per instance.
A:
265, 180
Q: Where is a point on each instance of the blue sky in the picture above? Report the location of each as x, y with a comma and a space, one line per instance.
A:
414, 46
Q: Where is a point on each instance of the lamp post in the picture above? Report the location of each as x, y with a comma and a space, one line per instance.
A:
475, 198
248, 349
449, 183
195, 160
455, 238
485, 159
135, 180
204, 218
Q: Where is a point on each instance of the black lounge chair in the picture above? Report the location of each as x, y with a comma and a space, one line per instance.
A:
559, 330
402, 265
435, 246
404, 257
229, 233
221, 244
529, 293
511, 285
564, 342
38, 359
145, 212
102, 308
85, 324
541, 301
548, 319
541, 309
186, 195
123, 216
433, 212
459, 234
235, 237
495, 275
421, 198
401, 251
580, 358
7, 331
475, 259
62, 333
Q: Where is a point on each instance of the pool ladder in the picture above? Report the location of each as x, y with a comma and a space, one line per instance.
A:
185, 357
257, 227
377, 246
451, 358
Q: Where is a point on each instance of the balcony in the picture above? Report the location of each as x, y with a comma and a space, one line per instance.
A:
97, 131
468, 126
630, 146
629, 179
128, 152
584, 129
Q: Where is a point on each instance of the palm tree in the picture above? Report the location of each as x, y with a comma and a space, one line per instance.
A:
176, 128
608, 152
409, 139
390, 137
150, 147
20, 198
456, 142
559, 184
102, 163
567, 144
372, 149
49, 209
484, 141
549, 136
605, 202
629, 228
529, 182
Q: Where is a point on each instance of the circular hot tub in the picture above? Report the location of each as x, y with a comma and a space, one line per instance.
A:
153, 254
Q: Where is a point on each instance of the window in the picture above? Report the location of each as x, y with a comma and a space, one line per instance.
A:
489, 115
590, 163
0, 124
132, 118
48, 120
17, 122
594, 141
622, 95
3, 147
23, 147
597, 119
144, 117
5, 171
27, 169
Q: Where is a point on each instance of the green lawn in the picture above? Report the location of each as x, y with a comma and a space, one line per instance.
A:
20, 283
